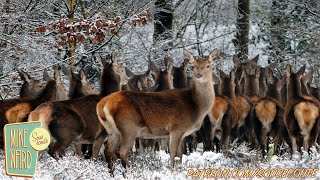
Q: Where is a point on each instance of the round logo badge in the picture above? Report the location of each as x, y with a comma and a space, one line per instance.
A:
39, 139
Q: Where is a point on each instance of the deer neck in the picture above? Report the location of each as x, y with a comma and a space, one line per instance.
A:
294, 90
251, 88
203, 94
110, 82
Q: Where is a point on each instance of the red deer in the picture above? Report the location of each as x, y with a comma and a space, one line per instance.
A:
301, 115
17, 110
242, 103
223, 117
138, 82
265, 77
269, 117
239, 67
127, 115
78, 84
75, 121
251, 84
31, 88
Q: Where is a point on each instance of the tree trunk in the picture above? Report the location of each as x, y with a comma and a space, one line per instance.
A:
163, 17
243, 24
72, 49
278, 41
3, 44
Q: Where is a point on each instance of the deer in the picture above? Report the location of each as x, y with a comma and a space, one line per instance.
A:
223, 117
164, 81
251, 84
242, 103
79, 85
268, 113
265, 77
30, 88
301, 116
126, 115
139, 82
17, 110
75, 121
239, 68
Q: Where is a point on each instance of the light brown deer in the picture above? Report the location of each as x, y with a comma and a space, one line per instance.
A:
269, 117
302, 116
75, 121
127, 115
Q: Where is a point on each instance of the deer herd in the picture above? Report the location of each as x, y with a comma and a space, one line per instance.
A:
167, 110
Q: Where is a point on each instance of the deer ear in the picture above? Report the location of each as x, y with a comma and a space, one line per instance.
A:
243, 74
288, 71
281, 83
216, 78
152, 88
24, 76
257, 73
236, 61
213, 55
83, 76
114, 58
153, 67
273, 65
302, 70
129, 73
255, 59
168, 63
46, 76
233, 76
66, 71
57, 75
308, 77
188, 56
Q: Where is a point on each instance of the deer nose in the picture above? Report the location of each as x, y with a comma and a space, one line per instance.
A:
198, 75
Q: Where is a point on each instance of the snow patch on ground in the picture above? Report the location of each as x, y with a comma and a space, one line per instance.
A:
150, 165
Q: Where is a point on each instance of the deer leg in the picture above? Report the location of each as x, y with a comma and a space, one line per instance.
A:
294, 144
97, 143
126, 145
306, 142
112, 144
77, 148
175, 138
53, 148
264, 141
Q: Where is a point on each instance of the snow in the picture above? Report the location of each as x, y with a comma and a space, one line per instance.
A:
155, 165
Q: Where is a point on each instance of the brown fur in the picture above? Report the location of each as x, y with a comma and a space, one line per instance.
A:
131, 114
302, 112
83, 126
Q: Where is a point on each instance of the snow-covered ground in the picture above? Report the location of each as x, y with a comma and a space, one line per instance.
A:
156, 165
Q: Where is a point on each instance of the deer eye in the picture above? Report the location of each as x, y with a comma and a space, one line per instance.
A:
192, 67
208, 66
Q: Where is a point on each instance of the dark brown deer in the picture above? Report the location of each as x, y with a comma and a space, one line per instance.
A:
265, 77
127, 115
31, 88
251, 84
239, 68
269, 117
301, 115
75, 120
138, 82
78, 84
17, 110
